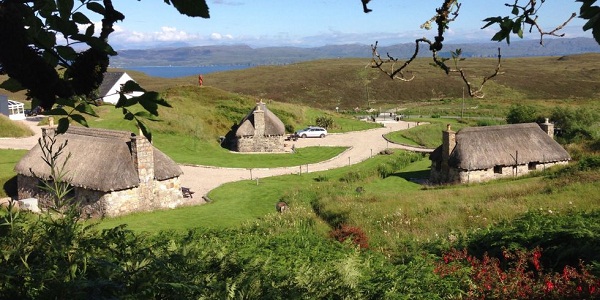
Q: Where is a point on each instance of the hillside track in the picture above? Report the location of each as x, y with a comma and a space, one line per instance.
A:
362, 145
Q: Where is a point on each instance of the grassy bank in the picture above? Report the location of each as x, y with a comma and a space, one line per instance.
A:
8, 160
12, 129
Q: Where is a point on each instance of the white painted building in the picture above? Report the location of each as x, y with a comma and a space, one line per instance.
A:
14, 110
111, 85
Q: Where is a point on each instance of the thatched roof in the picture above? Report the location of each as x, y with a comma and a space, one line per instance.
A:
110, 79
100, 160
484, 147
273, 125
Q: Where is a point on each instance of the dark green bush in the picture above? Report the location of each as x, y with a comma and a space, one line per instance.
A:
521, 114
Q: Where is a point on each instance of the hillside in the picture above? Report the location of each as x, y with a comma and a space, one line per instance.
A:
349, 83
248, 56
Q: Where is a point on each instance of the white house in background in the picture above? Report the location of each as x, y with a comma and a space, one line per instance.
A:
14, 110
111, 85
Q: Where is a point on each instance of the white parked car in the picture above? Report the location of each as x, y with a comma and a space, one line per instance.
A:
312, 131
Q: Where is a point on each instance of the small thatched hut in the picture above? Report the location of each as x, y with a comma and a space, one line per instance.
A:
484, 153
111, 172
259, 131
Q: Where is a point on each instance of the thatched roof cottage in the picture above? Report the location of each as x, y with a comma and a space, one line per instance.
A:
259, 131
111, 172
478, 154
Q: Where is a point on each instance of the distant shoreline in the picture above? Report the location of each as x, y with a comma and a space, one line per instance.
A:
182, 71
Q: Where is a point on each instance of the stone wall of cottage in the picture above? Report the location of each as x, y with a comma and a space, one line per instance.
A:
260, 144
164, 194
464, 176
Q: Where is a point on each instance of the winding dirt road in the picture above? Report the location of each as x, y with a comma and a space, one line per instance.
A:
201, 179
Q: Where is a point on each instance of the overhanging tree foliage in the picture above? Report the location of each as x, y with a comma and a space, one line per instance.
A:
38, 53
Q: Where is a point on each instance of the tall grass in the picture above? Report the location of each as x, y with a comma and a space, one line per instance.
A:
10, 128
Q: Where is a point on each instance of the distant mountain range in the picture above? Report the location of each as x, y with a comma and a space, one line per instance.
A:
245, 55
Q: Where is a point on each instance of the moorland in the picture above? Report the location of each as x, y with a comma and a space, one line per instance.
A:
366, 231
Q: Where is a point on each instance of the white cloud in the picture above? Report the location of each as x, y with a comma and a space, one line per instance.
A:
220, 37
166, 34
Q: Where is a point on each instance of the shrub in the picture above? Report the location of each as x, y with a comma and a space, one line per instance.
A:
518, 275
521, 114
574, 125
356, 235
589, 163
385, 170
324, 121
351, 177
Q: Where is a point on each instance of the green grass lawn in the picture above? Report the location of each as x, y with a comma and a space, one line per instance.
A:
8, 160
390, 209
238, 202
428, 135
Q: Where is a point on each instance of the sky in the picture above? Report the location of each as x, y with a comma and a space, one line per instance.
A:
312, 23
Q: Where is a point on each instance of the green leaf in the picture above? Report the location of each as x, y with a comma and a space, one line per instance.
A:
131, 86
80, 119
66, 52
515, 10
48, 9
125, 102
191, 8
96, 7
592, 14
63, 125
145, 130
44, 38
148, 101
50, 58
89, 31
11, 85
491, 21
127, 115
64, 8
100, 45
86, 108
66, 102
80, 18
56, 112
146, 115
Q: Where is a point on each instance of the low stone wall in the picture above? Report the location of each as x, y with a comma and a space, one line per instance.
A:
163, 194
260, 144
508, 171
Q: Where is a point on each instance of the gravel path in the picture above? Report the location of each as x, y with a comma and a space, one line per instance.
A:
202, 179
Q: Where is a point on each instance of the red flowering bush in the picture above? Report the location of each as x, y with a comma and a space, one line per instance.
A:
355, 234
518, 275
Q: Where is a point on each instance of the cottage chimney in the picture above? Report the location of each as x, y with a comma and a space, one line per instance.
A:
448, 144
142, 153
259, 120
548, 128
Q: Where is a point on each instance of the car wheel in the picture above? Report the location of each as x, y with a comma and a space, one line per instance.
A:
303, 136
322, 135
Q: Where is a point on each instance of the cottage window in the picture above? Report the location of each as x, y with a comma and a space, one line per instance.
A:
497, 169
